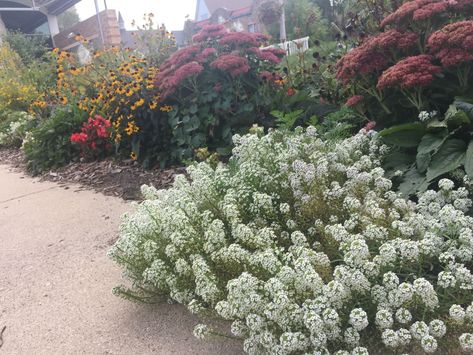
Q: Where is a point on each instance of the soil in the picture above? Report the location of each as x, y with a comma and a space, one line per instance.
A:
112, 178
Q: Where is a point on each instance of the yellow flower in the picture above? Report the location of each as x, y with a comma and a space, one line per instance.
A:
153, 105
63, 100
131, 128
133, 156
166, 108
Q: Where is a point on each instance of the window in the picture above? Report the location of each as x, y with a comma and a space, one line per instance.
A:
252, 27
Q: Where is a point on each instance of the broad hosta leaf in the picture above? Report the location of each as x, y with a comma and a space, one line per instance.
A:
413, 182
469, 160
429, 144
450, 156
459, 113
406, 135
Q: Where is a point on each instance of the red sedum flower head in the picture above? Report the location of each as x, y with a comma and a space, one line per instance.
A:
373, 56
410, 72
210, 32
416, 10
231, 63
354, 100
453, 44
240, 39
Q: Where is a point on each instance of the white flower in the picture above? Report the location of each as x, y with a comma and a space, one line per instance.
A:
201, 331
446, 184
437, 328
429, 344
403, 316
404, 336
384, 319
466, 341
457, 313
360, 351
358, 319
419, 330
390, 338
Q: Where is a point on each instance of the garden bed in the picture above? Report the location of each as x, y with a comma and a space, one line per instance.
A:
112, 178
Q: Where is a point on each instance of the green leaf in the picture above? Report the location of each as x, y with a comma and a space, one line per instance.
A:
413, 182
469, 160
450, 156
406, 135
428, 146
457, 115
193, 109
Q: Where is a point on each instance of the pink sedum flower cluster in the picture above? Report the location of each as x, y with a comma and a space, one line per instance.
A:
216, 48
453, 44
373, 55
412, 71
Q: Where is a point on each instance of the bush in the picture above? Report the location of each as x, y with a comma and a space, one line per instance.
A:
216, 88
119, 85
14, 126
424, 52
49, 145
303, 246
93, 138
407, 78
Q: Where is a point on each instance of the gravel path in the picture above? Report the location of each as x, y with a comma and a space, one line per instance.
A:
56, 280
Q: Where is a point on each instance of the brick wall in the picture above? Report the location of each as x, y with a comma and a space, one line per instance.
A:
90, 30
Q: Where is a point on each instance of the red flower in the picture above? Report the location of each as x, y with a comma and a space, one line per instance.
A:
369, 126
210, 32
180, 57
240, 39
416, 10
354, 100
273, 55
170, 83
231, 63
453, 44
409, 72
291, 91
78, 138
373, 55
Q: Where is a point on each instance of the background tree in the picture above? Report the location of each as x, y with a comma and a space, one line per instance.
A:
68, 19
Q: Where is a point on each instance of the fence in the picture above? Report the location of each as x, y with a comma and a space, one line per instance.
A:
293, 47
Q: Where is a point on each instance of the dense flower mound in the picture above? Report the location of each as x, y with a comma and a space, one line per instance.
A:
453, 44
419, 10
305, 248
373, 56
412, 71
216, 48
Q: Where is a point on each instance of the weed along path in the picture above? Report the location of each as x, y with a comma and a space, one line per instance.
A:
56, 280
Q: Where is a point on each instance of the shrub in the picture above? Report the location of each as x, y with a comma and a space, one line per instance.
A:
216, 88
119, 85
424, 45
304, 247
415, 79
14, 126
49, 145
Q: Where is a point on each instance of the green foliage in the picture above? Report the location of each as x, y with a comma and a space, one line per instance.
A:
303, 18
30, 47
433, 149
49, 145
68, 19
14, 126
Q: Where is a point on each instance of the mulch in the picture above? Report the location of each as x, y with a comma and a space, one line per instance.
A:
113, 178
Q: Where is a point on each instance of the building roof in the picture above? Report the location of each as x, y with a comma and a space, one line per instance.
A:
230, 5
27, 21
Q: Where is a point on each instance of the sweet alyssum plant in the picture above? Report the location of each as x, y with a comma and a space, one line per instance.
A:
304, 247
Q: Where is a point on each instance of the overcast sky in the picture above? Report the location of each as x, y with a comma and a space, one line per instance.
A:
170, 12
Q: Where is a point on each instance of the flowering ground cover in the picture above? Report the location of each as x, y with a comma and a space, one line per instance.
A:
330, 208
303, 245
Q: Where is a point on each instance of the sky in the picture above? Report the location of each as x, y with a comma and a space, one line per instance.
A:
170, 12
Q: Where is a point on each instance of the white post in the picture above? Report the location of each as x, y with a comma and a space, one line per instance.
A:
53, 25
282, 23
102, 37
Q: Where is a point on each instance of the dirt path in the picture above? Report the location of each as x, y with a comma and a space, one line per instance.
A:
56, 280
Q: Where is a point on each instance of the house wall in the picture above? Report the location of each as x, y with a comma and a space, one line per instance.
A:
91, 31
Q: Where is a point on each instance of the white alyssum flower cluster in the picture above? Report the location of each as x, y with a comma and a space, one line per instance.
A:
305, 248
